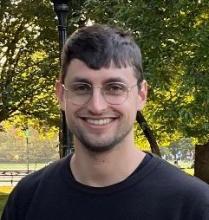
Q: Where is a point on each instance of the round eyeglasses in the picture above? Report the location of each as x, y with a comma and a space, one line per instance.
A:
114, 93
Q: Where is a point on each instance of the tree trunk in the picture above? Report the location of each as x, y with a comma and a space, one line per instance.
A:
148, 133
201, 164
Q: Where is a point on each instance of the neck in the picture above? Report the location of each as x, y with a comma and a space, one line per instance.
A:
107, 168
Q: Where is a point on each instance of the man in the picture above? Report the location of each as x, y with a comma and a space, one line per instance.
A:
101, 88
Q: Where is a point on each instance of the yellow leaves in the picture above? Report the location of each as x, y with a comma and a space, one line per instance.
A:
22, 127
140, 140
189, 98
204, 17
6, 125
5, 190
48, 134
182, 13
38, 55
142, 143
16, 157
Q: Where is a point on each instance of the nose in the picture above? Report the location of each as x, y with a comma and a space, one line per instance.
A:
97, 103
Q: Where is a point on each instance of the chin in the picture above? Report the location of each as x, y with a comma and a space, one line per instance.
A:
98, 147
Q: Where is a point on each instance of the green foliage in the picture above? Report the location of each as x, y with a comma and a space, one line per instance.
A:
140, 140
174, 41
3, 199
28, 60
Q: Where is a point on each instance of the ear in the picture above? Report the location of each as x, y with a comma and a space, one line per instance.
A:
59, 91
142, 95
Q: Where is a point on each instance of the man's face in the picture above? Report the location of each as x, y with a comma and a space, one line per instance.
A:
97, 125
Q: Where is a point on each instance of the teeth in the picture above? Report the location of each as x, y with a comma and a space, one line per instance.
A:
99, 121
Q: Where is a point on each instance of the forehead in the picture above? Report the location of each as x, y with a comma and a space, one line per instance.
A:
78, 71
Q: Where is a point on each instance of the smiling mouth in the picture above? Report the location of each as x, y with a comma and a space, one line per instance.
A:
100, 122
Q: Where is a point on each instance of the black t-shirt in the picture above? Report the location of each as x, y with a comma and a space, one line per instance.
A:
155, 190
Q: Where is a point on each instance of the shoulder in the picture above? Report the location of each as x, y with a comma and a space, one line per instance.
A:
22, 195
170, 184
32, 181
179, 180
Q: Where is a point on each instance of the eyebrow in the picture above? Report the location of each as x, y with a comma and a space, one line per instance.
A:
109, 80
80, 79
115, 79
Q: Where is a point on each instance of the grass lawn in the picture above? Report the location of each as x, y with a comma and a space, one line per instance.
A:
21, 166
185, 166
190, 171
13, 178
4, 192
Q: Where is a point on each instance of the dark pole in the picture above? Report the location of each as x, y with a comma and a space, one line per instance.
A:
148, 133
26, 133
27, 147
1, 101
61, 9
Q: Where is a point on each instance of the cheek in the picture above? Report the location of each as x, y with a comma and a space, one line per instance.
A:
70, 111
133, 104
70, 117
130, 110
71, 108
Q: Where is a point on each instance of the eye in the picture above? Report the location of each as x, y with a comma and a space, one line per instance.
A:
80, 88
115, 88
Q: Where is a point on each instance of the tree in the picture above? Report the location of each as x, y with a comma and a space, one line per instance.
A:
29, 61
173, 37
174, 41
201, 162
29, 58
